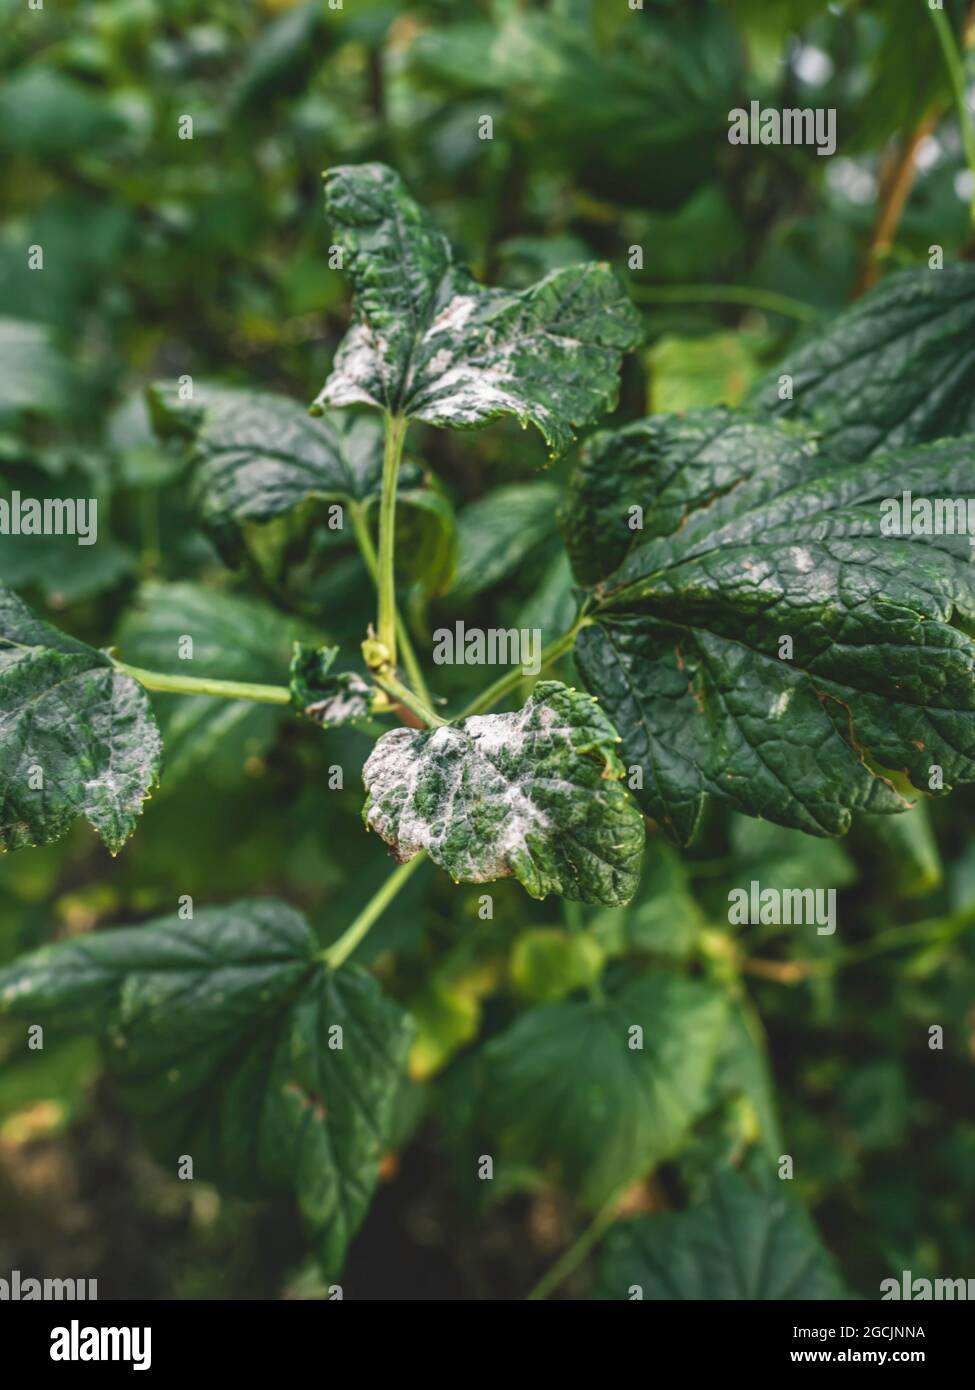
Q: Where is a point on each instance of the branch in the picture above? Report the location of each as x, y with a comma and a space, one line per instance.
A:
201, 685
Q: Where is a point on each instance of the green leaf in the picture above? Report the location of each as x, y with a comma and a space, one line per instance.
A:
34, 375
497, 533
260, 461
568, 1089
79, 739
664, 917
749, 538
742, 1070
602, 99
283, 59
748, 1241
664, 468
45, 113
328, 699
906, 848
781, 858
692, 373
548, 963
258, 455
221, 1033
876, 1103
552, 606
430, 344
426, 540
234, 638
897, 368
534, 793
62, 569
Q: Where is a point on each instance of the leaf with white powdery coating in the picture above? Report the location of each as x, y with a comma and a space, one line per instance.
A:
77, 738
535, 793
326, 698
234, 1044
748, 539
428, 343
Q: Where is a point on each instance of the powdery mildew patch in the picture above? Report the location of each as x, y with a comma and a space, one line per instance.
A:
532, 793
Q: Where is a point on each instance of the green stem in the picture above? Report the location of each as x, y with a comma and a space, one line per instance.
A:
401, 693
386, 582
933, 932
508, 682
340, 950
570, 1261
201, 685
955, 64
360, 526
747, 295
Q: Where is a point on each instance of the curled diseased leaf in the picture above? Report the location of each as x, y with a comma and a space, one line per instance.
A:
430, 344
326, 698
233, 1042
77, 738
761, 641
535, 793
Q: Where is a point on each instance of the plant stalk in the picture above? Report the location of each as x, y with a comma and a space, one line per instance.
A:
508, 682
955, 64
360, 526
404, 696
396, 427
341, 949
202, 685
570, 1261
747, 295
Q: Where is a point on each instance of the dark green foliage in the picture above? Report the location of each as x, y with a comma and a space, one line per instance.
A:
532, 214
236, 1046
79, 738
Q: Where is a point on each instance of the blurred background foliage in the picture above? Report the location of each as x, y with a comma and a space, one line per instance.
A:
164, 255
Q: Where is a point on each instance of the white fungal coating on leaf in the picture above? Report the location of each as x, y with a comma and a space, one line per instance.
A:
534, 793
428, 343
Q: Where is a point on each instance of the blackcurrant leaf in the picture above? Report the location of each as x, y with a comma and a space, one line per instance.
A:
235, 1046
260, 459
534, 793
499, 532
329, 698
897, 368
761, 641
746, 1241
77, 738
603, 1091
430, 344
235, 637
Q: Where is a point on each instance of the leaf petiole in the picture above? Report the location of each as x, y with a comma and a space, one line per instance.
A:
203, 685
342, 948
360, 526
395, 427
748, 296
404, 696
955, 64
512, 679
